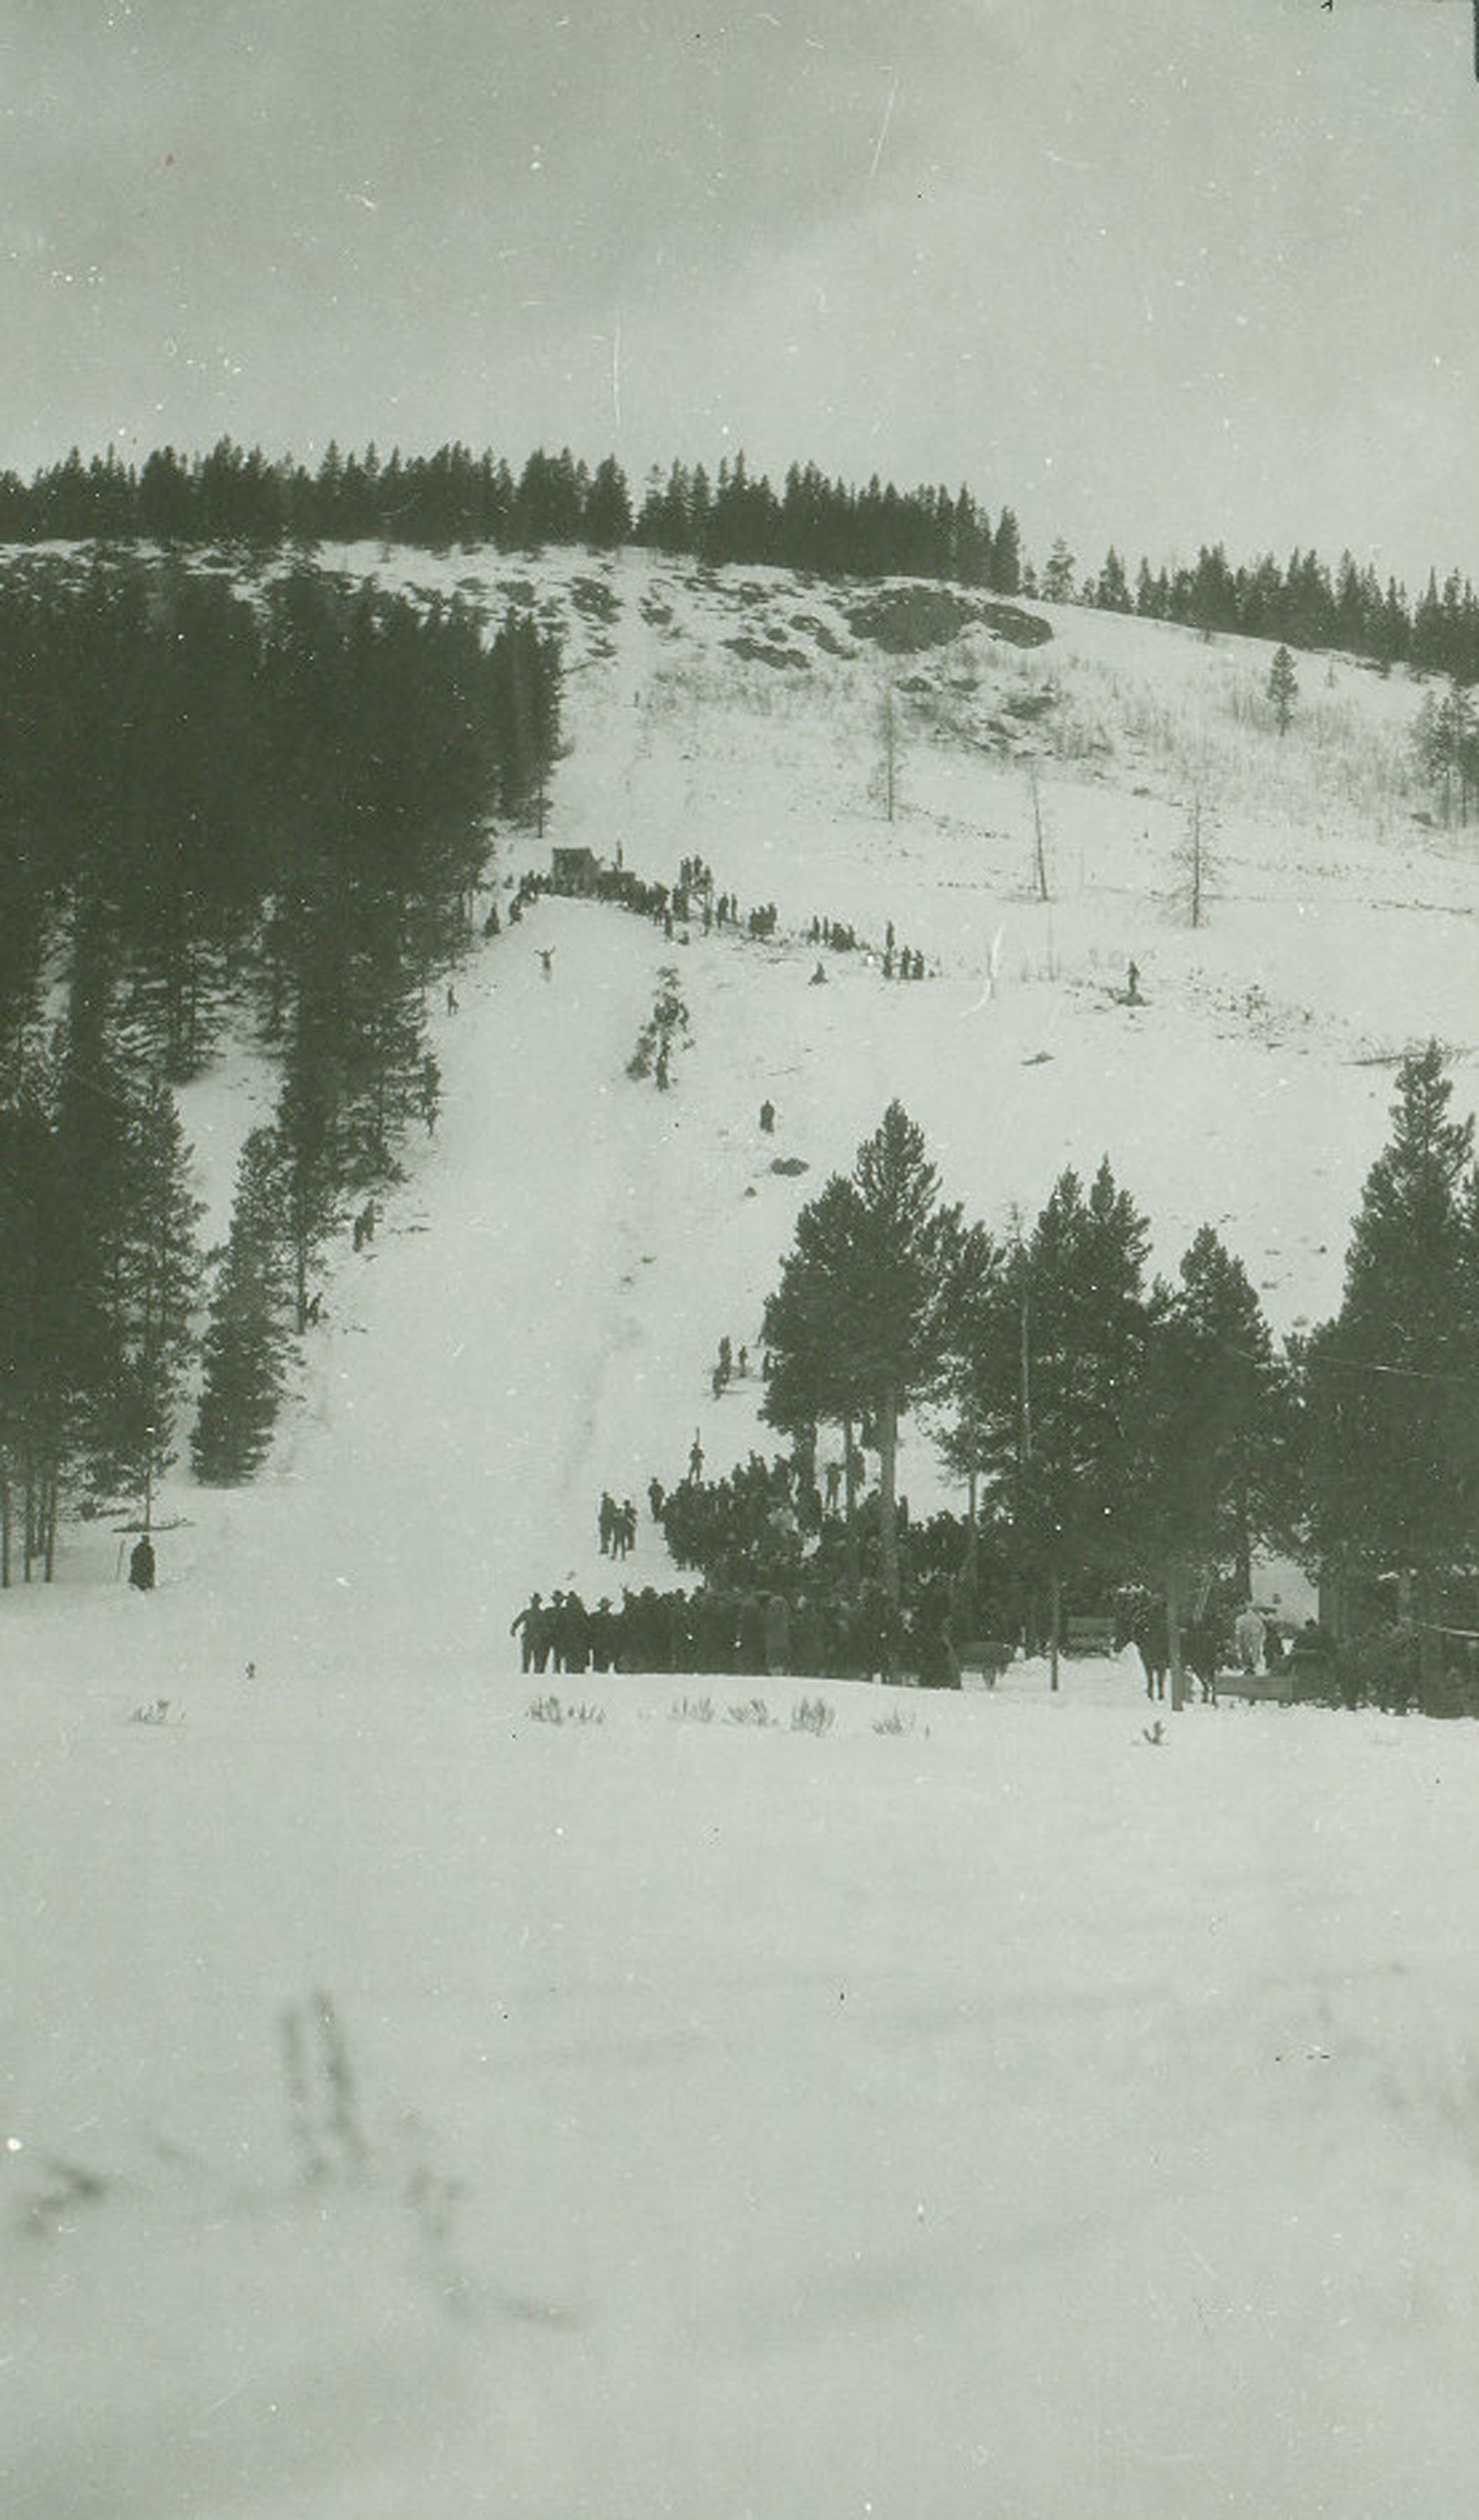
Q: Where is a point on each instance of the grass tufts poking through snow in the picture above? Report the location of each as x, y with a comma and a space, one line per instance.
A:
555, 1710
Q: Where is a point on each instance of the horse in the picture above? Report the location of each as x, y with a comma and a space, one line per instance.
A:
1141, 1620
1200, 1642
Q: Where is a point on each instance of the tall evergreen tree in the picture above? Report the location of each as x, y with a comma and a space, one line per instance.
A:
94, 1168
1112, 594
1212, 597
71, 1192
153, 1289
1007, 555
314, 1156
1282, 689
866, 1311
1072, 1410
247, 1338
1391, 1383
1219, 1429
1445, 738
1057, 576
33, 1409
813, 1334
608, 506
165, 503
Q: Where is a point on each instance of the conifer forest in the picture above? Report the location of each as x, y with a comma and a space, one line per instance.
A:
221, 814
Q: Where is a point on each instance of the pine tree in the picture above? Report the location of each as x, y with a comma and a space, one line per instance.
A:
167, 503
153, 1290
34, 1416
1353, 620
1395, 633
386, 1054
1007, 555
90, 1162
314, 1160
100, 1267
28, 919
608, 508
812, 1334
526, 674
1112, 594
1391, 1383
1282, 689
1057, 576
1074, 1413
864, 1314
247, 1338
1308, 605
189, 770
970, 548
1219, 1411
1445, 738
976, 1433
1212, 596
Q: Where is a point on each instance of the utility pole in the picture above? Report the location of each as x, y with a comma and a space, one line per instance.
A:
1024, 1463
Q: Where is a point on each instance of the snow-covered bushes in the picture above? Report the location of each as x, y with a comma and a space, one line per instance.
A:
664, 1033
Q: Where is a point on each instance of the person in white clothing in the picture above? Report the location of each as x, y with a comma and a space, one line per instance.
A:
1248, 1635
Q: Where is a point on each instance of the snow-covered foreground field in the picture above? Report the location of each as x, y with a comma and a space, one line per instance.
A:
415, 2109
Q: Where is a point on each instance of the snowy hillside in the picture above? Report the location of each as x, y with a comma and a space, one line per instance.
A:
571, 1246
412, 2107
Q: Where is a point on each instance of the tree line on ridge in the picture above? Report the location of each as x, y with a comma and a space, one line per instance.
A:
454, 497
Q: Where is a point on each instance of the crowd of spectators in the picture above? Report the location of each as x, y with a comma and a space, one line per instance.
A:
749, 1632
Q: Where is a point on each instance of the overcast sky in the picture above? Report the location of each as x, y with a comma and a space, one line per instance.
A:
1155, 271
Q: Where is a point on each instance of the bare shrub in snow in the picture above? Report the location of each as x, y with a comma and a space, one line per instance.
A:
884, 781
812, 1715
1197, 864
551, 1710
